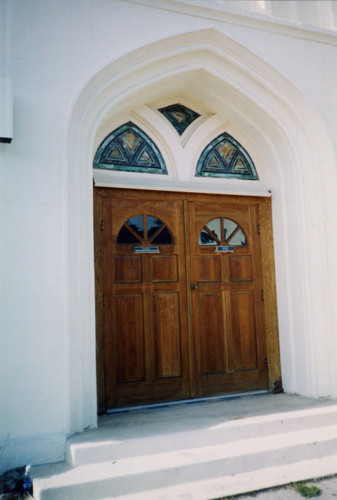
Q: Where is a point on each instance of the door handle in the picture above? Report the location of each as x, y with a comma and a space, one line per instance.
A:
194, 287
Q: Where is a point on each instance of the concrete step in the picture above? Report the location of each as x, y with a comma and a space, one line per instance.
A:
111, 444
175, 472
240, 483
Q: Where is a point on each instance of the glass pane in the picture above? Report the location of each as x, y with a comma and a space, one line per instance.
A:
153, 224
215, 227
228, 228
126, 237
137, 224
205, 238
238, 239
225, 148
163, 238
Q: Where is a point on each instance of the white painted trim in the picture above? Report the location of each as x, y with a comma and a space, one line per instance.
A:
287, 131
253, 20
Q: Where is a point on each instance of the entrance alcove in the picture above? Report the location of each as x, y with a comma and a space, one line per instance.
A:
243, 96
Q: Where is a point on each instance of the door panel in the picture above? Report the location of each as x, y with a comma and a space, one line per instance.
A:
130, 338
164, 269
146, 336
228, 326
167, 335
240, 268
128, 269
212, 340
209, 268
243, 328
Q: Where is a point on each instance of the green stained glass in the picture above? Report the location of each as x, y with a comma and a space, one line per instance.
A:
179, 116
128, 148
225, 157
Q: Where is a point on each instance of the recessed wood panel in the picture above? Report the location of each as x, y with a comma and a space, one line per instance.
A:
243, 328
166, 327
130, 338
164, 268
209, 268
240, 268
211, 330
128, 269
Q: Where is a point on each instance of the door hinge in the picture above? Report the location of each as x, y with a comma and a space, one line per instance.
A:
266, 365
103, 301
258, 229
262, 294
102, 225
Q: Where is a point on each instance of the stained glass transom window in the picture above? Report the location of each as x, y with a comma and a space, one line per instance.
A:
225, 157
179, 116
222, 231
144, 229
128, 148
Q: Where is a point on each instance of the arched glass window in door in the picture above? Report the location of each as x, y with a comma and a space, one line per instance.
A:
144, 229
128, 148
225, 157
222, 231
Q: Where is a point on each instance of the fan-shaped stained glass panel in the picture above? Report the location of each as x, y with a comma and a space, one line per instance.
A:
225, 157
179, 116
128, 148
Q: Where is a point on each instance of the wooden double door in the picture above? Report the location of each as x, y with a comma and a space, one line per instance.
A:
180, 307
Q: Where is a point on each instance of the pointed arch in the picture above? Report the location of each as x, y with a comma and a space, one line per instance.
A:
289, 132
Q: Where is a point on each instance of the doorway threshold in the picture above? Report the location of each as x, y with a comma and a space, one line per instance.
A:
187, 401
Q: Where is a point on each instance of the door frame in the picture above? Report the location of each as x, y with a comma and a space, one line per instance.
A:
265, 231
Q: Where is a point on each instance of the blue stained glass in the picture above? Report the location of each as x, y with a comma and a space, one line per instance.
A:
128, 148
225, 157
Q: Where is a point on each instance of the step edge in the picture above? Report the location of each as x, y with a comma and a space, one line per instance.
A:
286, 474
75, 475
323, 433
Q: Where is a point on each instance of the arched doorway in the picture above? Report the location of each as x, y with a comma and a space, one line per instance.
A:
180, 302
258, 100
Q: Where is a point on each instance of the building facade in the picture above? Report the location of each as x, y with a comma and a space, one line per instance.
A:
261, 73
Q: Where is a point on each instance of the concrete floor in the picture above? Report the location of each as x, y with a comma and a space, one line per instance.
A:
198, 415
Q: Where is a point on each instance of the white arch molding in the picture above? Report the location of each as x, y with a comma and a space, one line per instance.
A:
290, 136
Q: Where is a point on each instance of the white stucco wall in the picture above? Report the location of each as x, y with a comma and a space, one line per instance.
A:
52, 52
